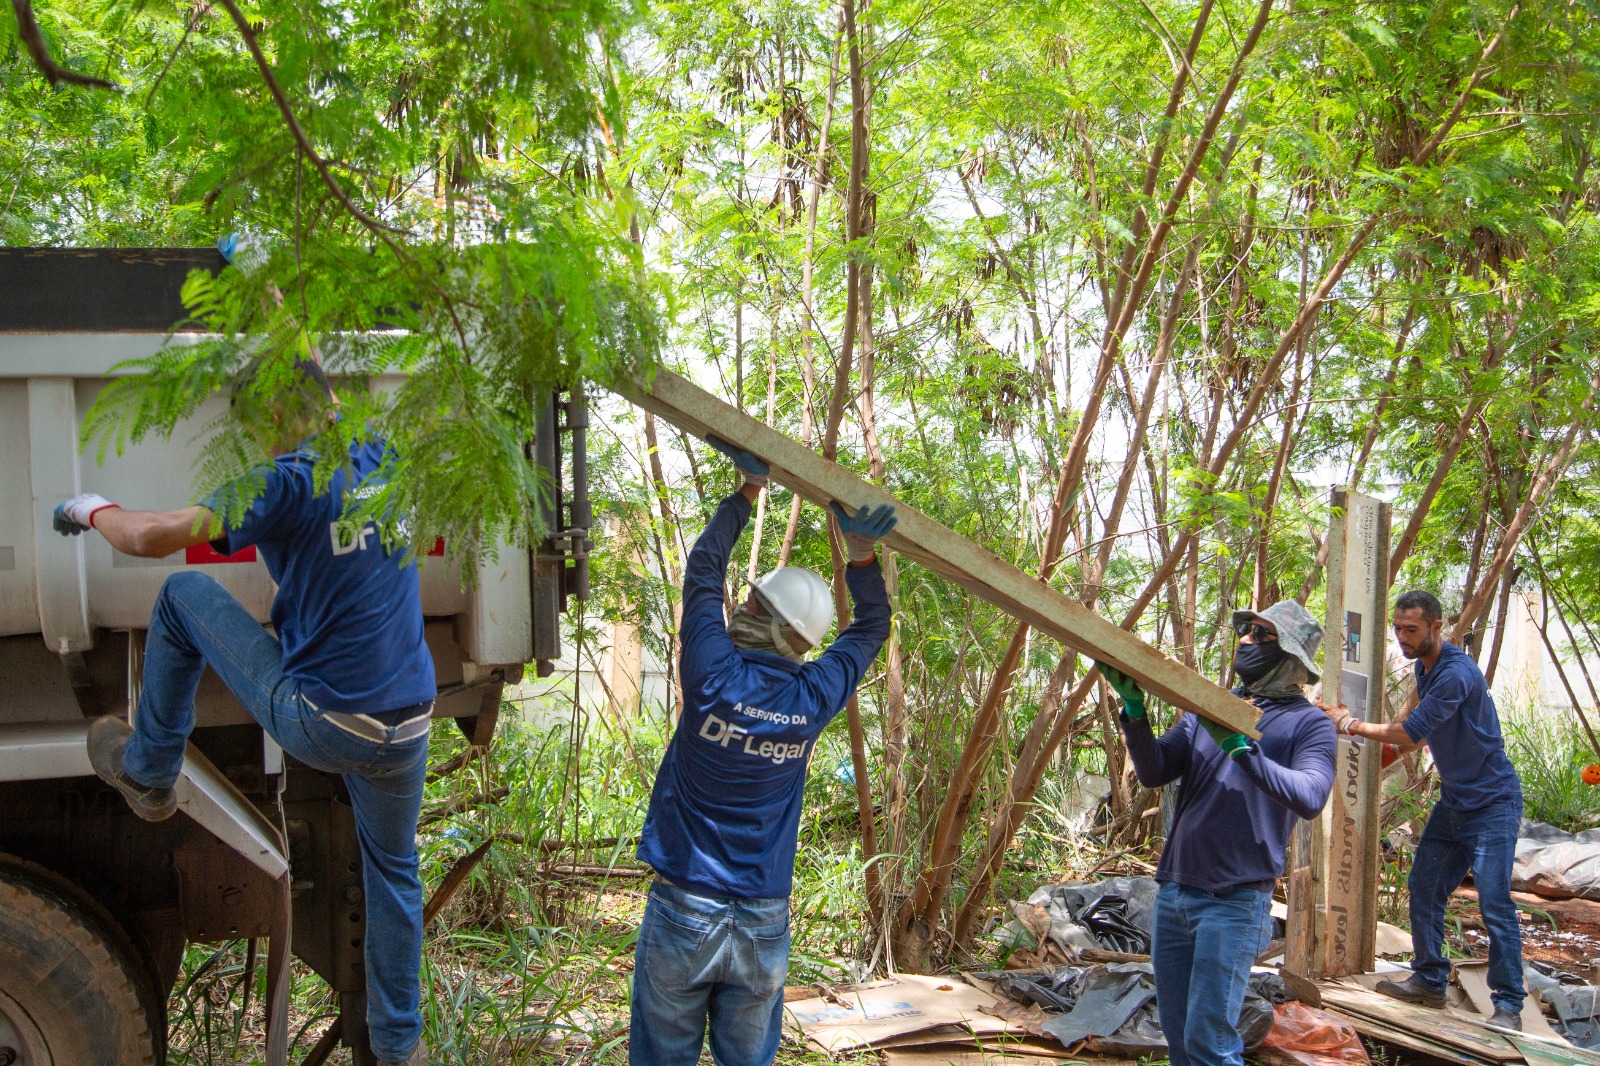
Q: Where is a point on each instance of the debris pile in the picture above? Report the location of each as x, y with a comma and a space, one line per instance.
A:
1110, 1008
1075, 923
1554, 863
1576, 1003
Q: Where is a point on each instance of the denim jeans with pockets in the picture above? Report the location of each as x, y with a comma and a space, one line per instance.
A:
1204, 945
704, 959
1484, 840
196, 623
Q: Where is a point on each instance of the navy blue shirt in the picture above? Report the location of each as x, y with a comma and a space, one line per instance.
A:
1456, 716
1233, 816
348, 614
724, 814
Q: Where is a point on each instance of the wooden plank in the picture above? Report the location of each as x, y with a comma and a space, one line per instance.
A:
1473, 977
1389, 1034
95, 290
1436, 1027
944, 551
1333, 908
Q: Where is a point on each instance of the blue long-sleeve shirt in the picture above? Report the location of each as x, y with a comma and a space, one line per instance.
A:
1232, 820
1456, 716
724, 814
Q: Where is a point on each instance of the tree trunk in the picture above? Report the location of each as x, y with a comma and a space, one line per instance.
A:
922, 909
917, 909
1358, 469
1546, 480
808, 334
1447, 458
859, 282
1502, 610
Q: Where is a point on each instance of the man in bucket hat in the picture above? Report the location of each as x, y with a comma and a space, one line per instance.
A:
1236, 805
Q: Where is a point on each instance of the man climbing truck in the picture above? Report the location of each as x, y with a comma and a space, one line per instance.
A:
724, 815
1475, 823
347, 685
1237, 802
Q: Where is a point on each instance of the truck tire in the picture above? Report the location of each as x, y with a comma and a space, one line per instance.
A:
68, 996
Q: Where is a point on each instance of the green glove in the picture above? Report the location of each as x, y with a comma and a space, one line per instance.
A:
1125, 687
1229, 741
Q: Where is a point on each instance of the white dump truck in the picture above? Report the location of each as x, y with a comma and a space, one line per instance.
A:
96, 906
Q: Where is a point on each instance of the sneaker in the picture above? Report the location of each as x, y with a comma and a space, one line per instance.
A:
1412, 990
108, 739
418, 1057
1505, 1019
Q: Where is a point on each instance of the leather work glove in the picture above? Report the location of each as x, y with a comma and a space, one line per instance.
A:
77, 514
1340, 716
1125, 687
755, 471
863, 531
1229, 741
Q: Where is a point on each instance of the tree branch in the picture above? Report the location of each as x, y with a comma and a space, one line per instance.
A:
33, 40
382, 229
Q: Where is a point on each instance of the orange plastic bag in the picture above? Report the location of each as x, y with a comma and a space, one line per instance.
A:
1305, 1036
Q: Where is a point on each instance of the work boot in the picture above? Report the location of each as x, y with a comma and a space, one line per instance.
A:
1412, 990
108, 739
418, 1057
1505, 1019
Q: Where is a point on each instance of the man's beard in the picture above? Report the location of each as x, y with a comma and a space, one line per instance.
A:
1421, 651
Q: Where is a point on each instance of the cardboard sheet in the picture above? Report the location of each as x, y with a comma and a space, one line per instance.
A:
968, 1056
908, 1003
1473, 977
1433, 1031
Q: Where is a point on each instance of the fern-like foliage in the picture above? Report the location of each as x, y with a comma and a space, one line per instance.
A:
433, 225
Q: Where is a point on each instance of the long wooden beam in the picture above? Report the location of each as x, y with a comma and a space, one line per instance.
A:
944, 551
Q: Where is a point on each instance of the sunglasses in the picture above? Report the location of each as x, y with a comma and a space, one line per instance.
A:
1255, 630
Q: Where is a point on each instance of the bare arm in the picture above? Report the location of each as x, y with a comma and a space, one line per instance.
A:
156, 534
1383, 732
1387, 732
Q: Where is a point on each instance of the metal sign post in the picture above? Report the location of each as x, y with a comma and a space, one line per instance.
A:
1333, 880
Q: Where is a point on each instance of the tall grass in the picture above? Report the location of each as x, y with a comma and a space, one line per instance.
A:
1550, 754
531, 960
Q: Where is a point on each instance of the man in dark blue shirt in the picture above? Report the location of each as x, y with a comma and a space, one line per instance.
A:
1475, 823
347, 685
1237, 802
724, 815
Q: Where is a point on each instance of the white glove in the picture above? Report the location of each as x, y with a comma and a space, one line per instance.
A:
77, 514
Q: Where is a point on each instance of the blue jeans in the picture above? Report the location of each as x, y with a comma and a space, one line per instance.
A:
1203, 948
1484, 840
699, 958
196, 623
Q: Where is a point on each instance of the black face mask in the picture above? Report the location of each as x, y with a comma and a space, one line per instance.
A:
1252, 662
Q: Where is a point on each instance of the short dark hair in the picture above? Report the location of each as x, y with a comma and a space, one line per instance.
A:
1418, 600
313, 381
312, 371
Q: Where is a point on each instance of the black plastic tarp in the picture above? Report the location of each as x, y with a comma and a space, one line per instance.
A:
1113, 1006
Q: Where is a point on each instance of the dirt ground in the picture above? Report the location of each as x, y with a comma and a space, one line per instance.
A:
1562, 933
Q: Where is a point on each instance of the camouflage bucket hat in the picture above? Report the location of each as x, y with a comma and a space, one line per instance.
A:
1298, 632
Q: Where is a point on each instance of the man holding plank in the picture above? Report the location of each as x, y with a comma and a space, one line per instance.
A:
724, 818
1237, 802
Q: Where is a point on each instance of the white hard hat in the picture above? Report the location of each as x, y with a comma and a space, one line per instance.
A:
800, 599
